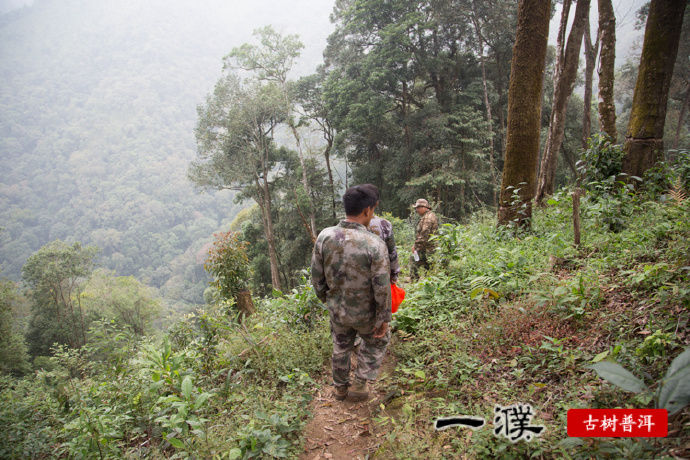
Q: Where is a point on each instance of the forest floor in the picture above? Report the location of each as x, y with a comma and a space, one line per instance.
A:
347, 429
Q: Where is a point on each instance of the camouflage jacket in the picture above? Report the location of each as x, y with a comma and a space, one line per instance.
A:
350, 272
425, 228
384, 230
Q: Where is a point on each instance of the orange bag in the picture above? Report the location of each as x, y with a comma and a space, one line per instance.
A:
398, 295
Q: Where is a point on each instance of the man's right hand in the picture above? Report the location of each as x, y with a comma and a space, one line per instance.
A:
381, 331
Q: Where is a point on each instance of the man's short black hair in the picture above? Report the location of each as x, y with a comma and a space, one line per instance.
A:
356, 199
374, 190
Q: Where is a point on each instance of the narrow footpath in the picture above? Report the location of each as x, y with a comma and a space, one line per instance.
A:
347, 430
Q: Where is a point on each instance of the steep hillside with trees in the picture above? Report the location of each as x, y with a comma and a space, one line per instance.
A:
98, 105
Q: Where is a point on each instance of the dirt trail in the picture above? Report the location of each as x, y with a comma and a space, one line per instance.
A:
345, 430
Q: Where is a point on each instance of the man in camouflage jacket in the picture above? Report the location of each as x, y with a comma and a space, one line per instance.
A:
350, 273
427, 226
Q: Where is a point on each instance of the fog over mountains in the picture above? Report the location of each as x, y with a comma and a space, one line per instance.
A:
97, 114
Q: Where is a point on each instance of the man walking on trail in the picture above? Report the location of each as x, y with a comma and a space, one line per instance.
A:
384, 230
423, 248
350, 272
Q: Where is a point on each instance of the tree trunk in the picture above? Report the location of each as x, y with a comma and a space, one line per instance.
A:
607, 34
524, 109
305, 182
565, 83
492, 165
312, 236
569, 160
591, 51
499, 89
244, 303
560, 39
481, 42
265, 205
644, 140
404, 112
275, 276
327, 156
681, 116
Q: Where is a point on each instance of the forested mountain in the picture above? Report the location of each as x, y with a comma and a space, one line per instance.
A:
544, 293
98, 107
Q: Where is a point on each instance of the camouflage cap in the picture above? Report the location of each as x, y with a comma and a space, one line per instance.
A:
421, 202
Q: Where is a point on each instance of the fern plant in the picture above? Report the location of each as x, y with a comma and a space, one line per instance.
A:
677, 193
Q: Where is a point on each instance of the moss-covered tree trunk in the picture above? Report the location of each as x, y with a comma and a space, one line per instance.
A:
566, 74
524, 109
591, 51
681, 116
268, 221
644, 139
607, 61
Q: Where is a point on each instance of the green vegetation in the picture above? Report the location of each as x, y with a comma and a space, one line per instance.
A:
499, 319
13, 353
115, 346
544, 312
53, 275
211, 388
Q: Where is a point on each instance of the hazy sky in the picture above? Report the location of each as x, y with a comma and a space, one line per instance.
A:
9, 5
626, 35
307, 18
310, 20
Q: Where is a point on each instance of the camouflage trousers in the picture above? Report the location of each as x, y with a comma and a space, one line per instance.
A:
369, 357
422, 263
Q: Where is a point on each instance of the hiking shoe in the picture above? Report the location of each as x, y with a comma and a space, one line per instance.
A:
340, 393
360, 389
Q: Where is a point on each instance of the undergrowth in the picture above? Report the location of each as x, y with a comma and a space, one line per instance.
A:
503, 320
210, 387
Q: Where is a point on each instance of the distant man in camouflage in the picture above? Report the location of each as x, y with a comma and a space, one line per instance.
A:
423, 248
350, 272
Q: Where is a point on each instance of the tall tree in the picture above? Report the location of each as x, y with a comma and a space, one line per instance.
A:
591, 51
486, 25
309, 95
404, 80
54, 274
644, 140
271, 62
123, 299
236, 148
13, 357
680, 86
607, 61
566, 73
524, 109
